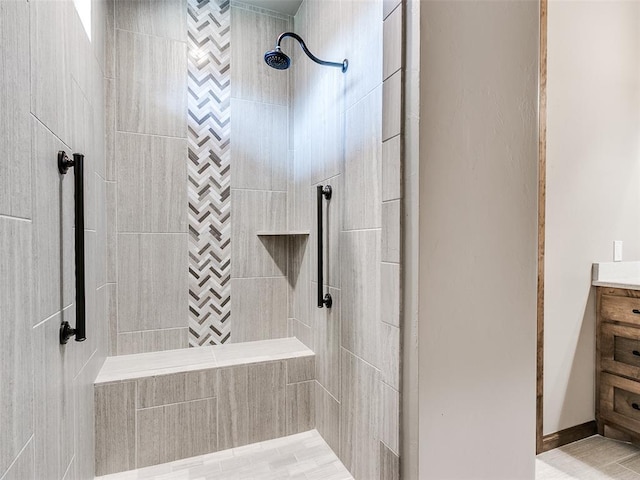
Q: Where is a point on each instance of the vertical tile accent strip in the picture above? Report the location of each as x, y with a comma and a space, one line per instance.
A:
209, 93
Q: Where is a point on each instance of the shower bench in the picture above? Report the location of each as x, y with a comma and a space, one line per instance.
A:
153, 408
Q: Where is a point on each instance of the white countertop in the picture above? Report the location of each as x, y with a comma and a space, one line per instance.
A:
616, 275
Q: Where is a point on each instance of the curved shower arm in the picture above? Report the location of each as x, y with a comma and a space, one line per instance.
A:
343, 65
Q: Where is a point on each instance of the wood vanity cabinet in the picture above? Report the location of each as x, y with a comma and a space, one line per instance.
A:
618, 363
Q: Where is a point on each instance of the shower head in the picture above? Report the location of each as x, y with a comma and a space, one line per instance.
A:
279, 60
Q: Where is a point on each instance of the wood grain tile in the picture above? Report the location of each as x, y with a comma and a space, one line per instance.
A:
152, 340
23, 467
115, 427
327, 327
392, 106
251, 36
301, 369
160, 18
389, 464
151, 101
390, 293
362, 182
390, 355
15, 131
360, 260
178, 387
176, 431
152, 183
152, 281
254, 256
391, 170
110, 128
300, 407
259, 152
53, 221
16, 363
261, 310
392, 43
391, 231
360, 417
390, 421
267, 407
328, 413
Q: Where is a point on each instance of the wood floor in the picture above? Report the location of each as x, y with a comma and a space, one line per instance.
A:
305, 456
594, 458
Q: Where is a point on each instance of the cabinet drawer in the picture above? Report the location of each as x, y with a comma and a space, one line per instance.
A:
620, 309
620, 350
620, 401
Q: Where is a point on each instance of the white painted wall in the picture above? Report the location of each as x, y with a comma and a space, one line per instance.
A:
478, 224
593, 185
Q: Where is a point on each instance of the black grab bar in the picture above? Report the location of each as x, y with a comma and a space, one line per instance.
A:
323, 300
64, 163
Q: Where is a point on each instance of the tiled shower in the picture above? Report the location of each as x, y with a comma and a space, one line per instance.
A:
201, 235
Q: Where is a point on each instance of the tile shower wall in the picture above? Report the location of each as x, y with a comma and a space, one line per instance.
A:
259, 139
186, 212
51, 92
146, 100
347, 133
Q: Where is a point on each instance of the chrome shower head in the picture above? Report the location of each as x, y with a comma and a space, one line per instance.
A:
277, 59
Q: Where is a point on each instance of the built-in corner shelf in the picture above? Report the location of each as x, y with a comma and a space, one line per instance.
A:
292, 233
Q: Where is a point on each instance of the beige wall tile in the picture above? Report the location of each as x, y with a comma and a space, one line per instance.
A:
300, 407
390, 354
53, 221
148, 100
15, 131
392, 106
110, 128
160, 18
363, 46
110, 40
391, 231
390, 422
16, 363
259, 145
152, 340
152, 281
51, 81
267, 408
391, 169
23, 468
390, 293
360, 417
260, 310
112, 237
251, 36
389, 464
152, 183
301, 332
301, 369
298, 278
176, 431
233, 397
255, 211
360, 259
115, 427
177, 387
328, 415
112, 318
327, 325
362, 182
392, 48
101, 231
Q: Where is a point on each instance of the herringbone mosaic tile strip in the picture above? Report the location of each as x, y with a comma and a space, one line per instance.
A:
209, 104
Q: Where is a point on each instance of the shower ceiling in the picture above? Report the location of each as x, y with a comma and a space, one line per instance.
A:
288, 7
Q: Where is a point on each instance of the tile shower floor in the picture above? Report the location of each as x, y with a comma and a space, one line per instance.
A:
594, 458
305, 456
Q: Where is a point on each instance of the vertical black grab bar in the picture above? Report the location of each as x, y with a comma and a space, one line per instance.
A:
323, 300
64, 163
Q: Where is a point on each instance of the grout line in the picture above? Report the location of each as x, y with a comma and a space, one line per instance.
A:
116, 131
51, 316
19, 219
